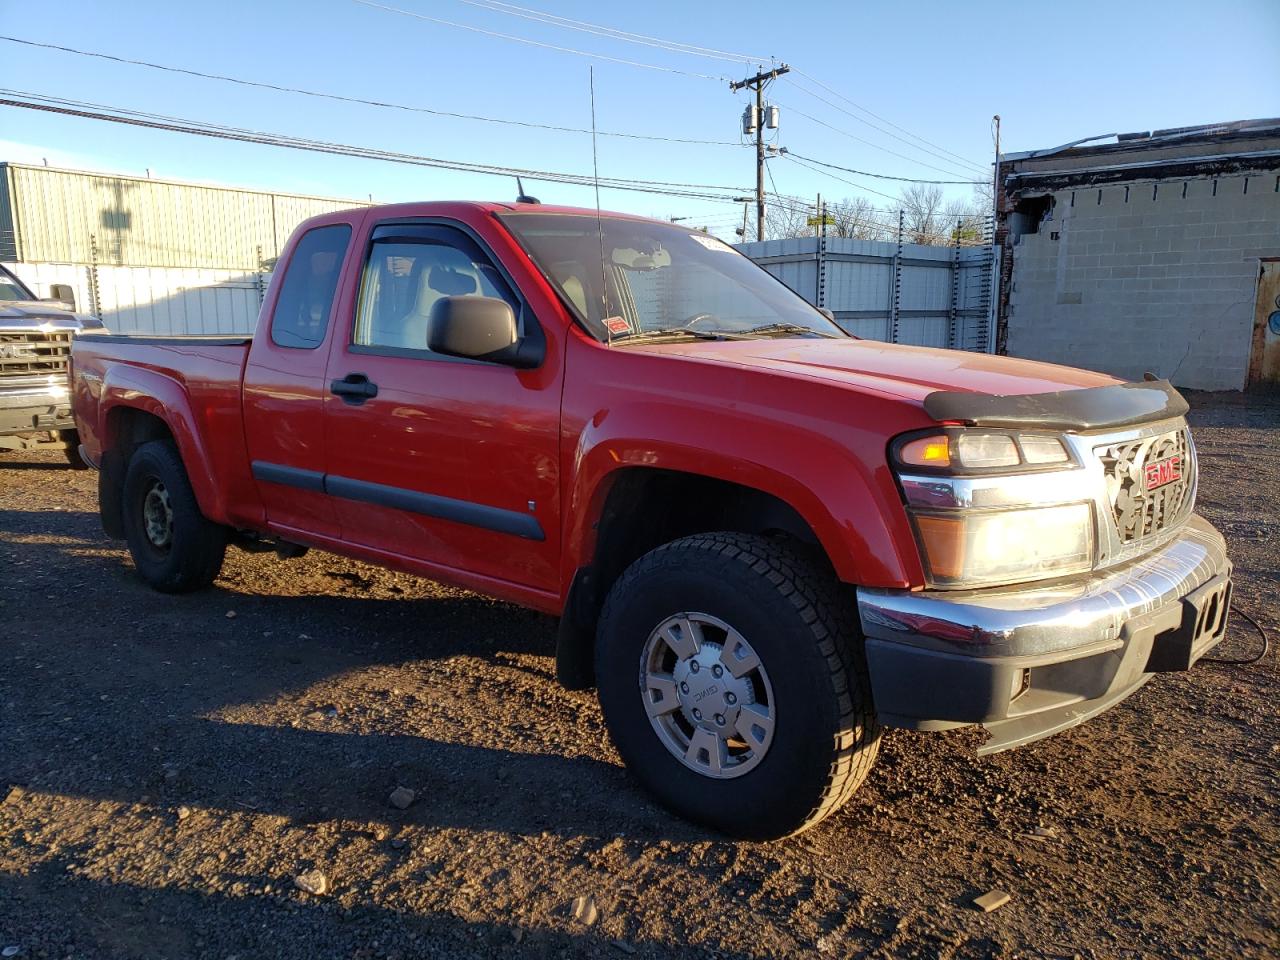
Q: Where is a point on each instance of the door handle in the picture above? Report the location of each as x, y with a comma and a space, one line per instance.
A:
354, 388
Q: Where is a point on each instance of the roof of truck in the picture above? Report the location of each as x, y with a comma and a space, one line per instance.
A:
453, 207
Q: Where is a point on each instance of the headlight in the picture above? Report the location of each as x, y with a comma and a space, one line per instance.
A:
956, 451
962, 548
994, 506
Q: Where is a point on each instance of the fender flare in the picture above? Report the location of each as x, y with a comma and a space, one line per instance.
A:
847, 512
163, 397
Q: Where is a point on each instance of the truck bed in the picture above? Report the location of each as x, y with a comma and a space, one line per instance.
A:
191, 383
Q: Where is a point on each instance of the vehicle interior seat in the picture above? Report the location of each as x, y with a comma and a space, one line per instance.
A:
434, 282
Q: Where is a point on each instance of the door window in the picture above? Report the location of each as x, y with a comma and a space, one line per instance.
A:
405, 279
307, 290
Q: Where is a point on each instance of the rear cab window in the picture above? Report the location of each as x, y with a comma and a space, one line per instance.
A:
308, 288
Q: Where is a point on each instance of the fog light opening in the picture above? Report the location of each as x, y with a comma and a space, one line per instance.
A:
1020, 685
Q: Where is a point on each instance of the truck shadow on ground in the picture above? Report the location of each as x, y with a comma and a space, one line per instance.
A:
166, 698
122, 919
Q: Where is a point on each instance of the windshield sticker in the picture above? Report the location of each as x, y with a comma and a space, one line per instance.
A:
617, 325
711, 243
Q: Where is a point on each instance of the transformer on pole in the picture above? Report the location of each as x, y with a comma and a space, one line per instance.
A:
754, 120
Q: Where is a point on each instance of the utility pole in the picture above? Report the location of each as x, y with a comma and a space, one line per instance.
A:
757, 83
995, 184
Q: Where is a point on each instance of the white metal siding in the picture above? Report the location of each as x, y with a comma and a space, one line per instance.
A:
860, 287
59, 215
160, 300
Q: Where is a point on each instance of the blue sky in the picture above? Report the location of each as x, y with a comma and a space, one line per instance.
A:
1054, 71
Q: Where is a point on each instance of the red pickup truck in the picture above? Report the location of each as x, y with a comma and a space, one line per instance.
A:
765, 539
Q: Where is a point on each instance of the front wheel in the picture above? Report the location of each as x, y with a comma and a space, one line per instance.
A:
734, 686
175, 548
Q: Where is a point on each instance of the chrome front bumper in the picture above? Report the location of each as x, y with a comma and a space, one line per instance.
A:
26, 408
1030, 661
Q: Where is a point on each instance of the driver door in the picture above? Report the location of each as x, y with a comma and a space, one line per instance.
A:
446, 462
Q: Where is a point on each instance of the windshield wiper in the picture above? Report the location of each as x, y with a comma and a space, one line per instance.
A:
677, 332
788, 328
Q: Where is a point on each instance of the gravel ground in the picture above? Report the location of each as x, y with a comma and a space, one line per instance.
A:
169, 765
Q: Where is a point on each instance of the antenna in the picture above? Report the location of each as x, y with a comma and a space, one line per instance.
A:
595, 174
521, 196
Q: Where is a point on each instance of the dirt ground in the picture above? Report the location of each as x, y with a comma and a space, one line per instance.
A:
169, 765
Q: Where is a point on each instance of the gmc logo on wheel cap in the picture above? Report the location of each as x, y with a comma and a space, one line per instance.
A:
1163, 471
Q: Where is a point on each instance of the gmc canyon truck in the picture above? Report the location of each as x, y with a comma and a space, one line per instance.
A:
765, 539
35, 347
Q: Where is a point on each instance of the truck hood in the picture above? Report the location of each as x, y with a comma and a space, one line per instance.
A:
44, 315
911, 373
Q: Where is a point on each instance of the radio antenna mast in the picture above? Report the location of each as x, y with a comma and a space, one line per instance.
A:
521, 196
595, 174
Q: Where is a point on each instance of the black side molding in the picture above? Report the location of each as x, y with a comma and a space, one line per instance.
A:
288, 476
513, 522
1090, 408
444, 508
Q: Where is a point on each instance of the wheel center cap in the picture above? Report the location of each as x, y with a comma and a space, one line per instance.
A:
709, 694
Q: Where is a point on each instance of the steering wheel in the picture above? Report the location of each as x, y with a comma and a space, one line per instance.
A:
698, 318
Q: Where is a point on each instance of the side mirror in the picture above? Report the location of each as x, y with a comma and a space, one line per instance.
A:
63, 293
829, 314
60, 293
478, 328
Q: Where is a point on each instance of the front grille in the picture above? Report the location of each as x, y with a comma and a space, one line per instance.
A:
1150, 483
34, 352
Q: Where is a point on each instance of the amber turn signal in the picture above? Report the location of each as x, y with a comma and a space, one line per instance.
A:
944, 539
926, 452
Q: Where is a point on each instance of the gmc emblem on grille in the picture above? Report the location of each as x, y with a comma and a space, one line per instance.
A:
16, 351
1163, 471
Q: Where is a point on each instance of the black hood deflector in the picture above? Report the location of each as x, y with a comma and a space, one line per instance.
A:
1091, 408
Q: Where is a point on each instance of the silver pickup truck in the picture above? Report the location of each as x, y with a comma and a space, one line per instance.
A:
35, 352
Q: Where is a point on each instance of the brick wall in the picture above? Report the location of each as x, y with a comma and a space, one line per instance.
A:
1156, 277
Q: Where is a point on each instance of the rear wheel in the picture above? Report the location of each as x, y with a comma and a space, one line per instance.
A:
733, 684
175, 548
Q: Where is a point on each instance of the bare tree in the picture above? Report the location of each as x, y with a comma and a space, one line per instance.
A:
922, 205
963, 221
782, 221
983, 196
857, 219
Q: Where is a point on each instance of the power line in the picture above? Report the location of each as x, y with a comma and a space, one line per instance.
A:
569, 23
882, 176
280, 88
859, 186
595, 29
837, 93
874, 146
710, 192
836, 106
532, 43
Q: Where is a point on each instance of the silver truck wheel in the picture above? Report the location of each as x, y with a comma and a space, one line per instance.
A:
175, 548
707, 695
733, 682
157, 515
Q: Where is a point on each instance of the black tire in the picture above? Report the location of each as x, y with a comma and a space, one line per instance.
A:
790, 610
192, 556
71, 447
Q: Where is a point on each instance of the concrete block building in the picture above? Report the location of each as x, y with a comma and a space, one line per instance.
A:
1158, 252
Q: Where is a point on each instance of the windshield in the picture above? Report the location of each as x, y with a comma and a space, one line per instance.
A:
657, 280
11, 289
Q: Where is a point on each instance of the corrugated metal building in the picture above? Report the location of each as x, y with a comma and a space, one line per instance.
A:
148, 255
931, 296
